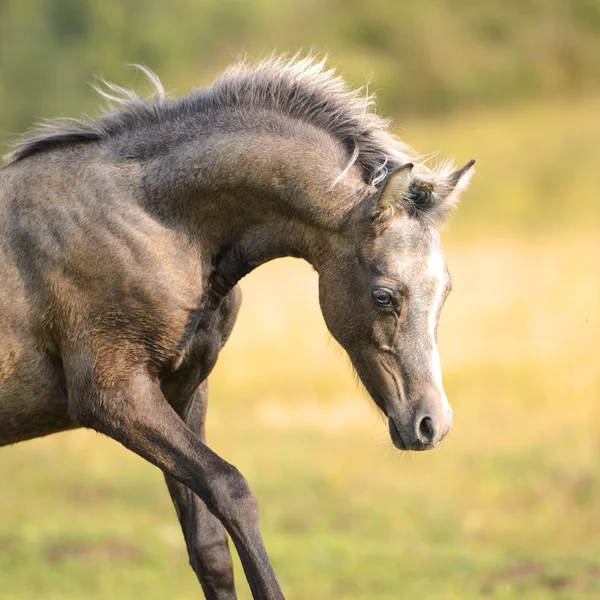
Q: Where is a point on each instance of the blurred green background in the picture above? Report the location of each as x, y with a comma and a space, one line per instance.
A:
509, 505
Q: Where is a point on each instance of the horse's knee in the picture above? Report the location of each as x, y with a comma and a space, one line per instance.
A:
212, 562
232, 499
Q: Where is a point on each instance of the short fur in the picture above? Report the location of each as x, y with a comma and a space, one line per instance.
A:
123, 238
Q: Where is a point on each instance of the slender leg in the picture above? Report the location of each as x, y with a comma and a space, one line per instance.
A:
205, 537
137, 415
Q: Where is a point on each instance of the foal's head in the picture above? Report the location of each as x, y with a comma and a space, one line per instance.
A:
381, 293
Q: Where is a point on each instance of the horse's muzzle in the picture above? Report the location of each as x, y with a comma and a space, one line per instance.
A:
424, 432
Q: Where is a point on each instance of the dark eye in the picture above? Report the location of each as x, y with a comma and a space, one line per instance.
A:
383, 297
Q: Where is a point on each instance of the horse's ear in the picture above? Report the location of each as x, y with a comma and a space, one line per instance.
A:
456, 183
430, 196
393, 192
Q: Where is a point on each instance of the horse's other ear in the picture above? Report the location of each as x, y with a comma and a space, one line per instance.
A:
393, 192
456, 183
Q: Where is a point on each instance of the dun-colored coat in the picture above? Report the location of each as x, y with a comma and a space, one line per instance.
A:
122, 240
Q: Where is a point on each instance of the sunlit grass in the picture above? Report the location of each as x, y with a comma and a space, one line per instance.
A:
506, 507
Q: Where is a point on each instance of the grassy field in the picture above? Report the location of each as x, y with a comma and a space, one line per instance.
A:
507, 507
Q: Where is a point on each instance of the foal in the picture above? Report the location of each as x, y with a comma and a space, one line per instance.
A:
123, 238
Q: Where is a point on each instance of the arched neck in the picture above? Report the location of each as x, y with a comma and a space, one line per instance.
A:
248, 197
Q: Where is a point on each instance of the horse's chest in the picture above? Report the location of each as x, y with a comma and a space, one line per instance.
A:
208, 331
204, 348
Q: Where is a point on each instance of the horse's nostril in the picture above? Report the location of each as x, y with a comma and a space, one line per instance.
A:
426, 430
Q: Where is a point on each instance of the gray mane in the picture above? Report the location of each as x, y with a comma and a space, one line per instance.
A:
301, 88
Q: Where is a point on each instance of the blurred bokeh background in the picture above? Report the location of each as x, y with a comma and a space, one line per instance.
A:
509, 505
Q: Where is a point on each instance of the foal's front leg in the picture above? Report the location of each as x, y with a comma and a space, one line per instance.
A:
205, 537
135, 413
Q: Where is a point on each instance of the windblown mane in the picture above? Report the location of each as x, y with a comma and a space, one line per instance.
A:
301, 88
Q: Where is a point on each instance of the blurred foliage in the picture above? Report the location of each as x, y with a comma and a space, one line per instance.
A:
424, 56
